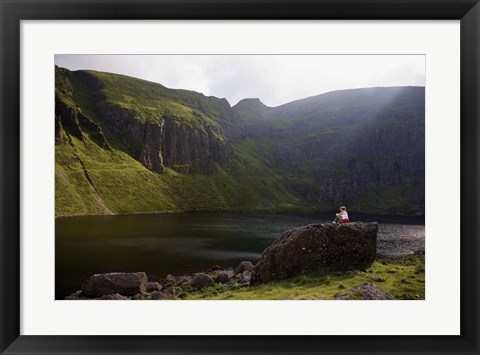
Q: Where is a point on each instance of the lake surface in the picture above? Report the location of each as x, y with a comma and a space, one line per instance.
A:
184, 243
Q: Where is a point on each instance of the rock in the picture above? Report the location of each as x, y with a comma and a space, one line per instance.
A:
244, 266
127, 284
168, 281
169, 291
165, 142
245, 278
354, 272
408, 263
224, 275
215, 268
364, 291
158, 295
182, 279
200, 281
229, 271
138, 296
222, 278
75, 296
153, 286
114, 297
317, 247
67, 117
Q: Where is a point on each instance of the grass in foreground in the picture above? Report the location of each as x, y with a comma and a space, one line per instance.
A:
403, 278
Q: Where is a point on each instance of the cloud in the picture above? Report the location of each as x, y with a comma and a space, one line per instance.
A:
275, 79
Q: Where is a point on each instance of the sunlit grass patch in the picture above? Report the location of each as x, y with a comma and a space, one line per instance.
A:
404, 284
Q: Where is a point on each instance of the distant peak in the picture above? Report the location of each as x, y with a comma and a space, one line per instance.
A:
250, 103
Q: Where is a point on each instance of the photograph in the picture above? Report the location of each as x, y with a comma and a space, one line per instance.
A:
239, 177
247, 177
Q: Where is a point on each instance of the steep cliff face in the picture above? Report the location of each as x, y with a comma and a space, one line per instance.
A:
363, 148
194, 150
163, 141
359, 167
71, 120
142, 139
157, 140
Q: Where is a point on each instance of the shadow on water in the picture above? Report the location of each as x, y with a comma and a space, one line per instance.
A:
184, 243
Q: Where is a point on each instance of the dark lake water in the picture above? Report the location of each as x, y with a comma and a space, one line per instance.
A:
184, 243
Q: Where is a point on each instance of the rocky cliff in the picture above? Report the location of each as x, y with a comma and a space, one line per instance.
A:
158, 141
362, 148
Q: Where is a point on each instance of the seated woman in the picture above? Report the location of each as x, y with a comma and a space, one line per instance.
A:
342, 216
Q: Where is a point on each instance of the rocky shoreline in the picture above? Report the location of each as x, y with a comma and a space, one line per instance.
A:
135, 286
317, 247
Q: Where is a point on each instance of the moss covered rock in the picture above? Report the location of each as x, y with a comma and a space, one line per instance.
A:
318, 247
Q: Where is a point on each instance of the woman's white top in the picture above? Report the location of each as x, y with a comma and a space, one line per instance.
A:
344, 215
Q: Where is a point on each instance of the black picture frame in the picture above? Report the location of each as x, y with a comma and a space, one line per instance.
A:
14, 11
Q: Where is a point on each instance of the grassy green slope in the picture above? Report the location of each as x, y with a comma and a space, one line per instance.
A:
91, 179
126, 186
148, 101
151, 101
251, 167
121, 182
73, 193
403, 278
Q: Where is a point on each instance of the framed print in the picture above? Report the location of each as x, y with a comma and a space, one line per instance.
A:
182, 199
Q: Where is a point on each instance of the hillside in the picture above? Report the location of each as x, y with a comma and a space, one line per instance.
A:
125, 145
364, 148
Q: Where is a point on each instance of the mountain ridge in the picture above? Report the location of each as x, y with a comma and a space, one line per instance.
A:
183, 151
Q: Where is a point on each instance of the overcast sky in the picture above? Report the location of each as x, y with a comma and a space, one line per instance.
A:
274, 79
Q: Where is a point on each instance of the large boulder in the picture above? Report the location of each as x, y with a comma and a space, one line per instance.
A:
125, 284
317, 247
200, 281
